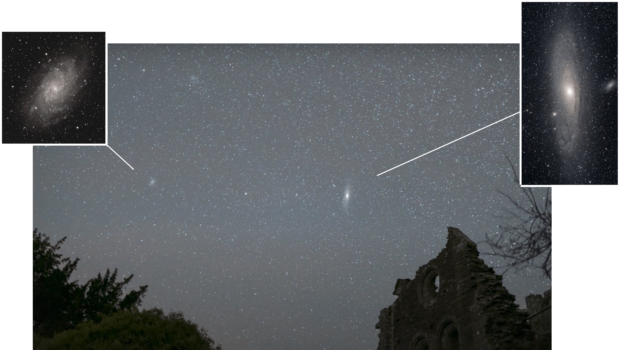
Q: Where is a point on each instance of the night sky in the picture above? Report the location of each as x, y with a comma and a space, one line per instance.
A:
255, 206
53, 87
570, 93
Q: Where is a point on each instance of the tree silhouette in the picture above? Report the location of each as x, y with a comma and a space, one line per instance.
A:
525, 238
102, 296
53, 295
59, 305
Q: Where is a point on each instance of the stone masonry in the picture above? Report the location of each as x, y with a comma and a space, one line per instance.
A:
539, 308
457, 302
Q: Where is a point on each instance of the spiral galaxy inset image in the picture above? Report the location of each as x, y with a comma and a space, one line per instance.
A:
569, 95
56, 92
53, 87
567, 91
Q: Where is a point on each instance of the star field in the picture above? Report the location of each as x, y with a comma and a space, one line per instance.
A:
254, 206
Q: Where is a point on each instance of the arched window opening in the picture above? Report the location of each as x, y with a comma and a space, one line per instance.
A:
420, 344
453, 340
430, 287
450, 337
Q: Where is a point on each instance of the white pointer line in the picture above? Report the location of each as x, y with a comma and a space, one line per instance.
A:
501, 120
120, 157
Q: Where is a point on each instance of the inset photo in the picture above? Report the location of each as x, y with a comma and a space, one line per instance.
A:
53, 87
569, 104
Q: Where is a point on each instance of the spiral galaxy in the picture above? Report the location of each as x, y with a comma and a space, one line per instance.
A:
569, 95
567, 88
346, 196
56, 91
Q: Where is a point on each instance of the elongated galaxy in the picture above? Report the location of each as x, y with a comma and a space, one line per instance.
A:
56, 91
346, 196
567, 90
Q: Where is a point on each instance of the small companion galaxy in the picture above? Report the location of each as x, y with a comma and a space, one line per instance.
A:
53, 87
570, 96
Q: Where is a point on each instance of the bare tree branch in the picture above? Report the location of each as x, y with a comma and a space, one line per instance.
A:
525, 238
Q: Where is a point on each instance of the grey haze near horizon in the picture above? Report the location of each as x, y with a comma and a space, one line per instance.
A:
237, 213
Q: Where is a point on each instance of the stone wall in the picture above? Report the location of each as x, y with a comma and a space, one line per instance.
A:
454, 302
539, 310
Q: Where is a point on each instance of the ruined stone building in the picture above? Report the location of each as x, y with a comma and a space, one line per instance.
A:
457, 302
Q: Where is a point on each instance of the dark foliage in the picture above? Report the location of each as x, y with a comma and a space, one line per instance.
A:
123, 330
59, 304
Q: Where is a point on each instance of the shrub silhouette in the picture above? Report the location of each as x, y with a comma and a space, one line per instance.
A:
133, 330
